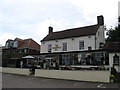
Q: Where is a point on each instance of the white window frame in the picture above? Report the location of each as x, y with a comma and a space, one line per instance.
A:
49, 47
64, 46
81, 45
15, 44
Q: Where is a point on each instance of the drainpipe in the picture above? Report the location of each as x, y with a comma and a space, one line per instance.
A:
95, 41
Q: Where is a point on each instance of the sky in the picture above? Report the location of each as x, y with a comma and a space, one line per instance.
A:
31, 18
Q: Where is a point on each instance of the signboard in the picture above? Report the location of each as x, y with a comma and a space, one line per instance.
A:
56, 47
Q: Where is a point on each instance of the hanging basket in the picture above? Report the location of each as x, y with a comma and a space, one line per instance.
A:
111, 80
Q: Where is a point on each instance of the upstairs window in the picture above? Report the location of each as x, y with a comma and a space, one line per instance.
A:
15, 44
11, 43
64, 46
49, 48
81, 45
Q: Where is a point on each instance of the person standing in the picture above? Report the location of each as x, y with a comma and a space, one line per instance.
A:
32, 70
21, 64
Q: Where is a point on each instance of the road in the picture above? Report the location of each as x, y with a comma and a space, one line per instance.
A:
17, 81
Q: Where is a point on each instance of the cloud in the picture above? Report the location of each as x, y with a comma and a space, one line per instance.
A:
93, 8
119, 8
17, 13
80, 24
41, 29
29, 1
5, 37
29, 18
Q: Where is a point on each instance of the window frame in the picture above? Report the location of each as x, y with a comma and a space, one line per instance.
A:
64, 47
81, 45
49, 47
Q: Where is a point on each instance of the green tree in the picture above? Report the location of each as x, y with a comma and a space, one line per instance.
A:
113, 34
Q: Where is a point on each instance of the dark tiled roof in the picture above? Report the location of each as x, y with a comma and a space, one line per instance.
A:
75, 32
112, 46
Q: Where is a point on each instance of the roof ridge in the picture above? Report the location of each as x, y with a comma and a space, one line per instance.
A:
73, 32
76, 28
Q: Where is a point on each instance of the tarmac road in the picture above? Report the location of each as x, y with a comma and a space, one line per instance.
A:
17, 81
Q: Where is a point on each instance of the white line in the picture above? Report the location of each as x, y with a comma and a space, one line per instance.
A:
76, 83
100, 85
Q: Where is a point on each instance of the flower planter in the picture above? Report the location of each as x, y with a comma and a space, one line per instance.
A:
111, 80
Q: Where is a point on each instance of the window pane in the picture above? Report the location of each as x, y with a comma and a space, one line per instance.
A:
49, 48
81, 45
64, 46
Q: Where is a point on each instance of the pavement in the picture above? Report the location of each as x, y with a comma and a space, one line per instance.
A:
18, 81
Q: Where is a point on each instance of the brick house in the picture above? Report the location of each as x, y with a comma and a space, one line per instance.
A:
17, 48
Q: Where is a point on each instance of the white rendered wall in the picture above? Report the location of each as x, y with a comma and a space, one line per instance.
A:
100, 36
72, 44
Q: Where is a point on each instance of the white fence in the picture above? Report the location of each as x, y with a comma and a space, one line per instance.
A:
94, 76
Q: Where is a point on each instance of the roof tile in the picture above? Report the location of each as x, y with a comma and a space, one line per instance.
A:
75, 32
28, 43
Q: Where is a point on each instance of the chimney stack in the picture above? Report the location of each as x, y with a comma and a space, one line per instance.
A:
100, 20
50, 29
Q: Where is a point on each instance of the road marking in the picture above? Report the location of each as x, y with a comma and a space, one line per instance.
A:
99, 86
79, 84
76, 83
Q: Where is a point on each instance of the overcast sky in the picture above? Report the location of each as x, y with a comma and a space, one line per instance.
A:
31, 18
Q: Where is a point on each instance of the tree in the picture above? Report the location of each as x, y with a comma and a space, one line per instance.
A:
113, 34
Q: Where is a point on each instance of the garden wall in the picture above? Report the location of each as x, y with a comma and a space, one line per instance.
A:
94, 76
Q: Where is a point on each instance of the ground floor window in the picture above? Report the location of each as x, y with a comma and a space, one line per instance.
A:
65, 60
76, 59
97, 58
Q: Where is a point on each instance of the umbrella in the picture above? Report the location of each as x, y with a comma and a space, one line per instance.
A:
28, 57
